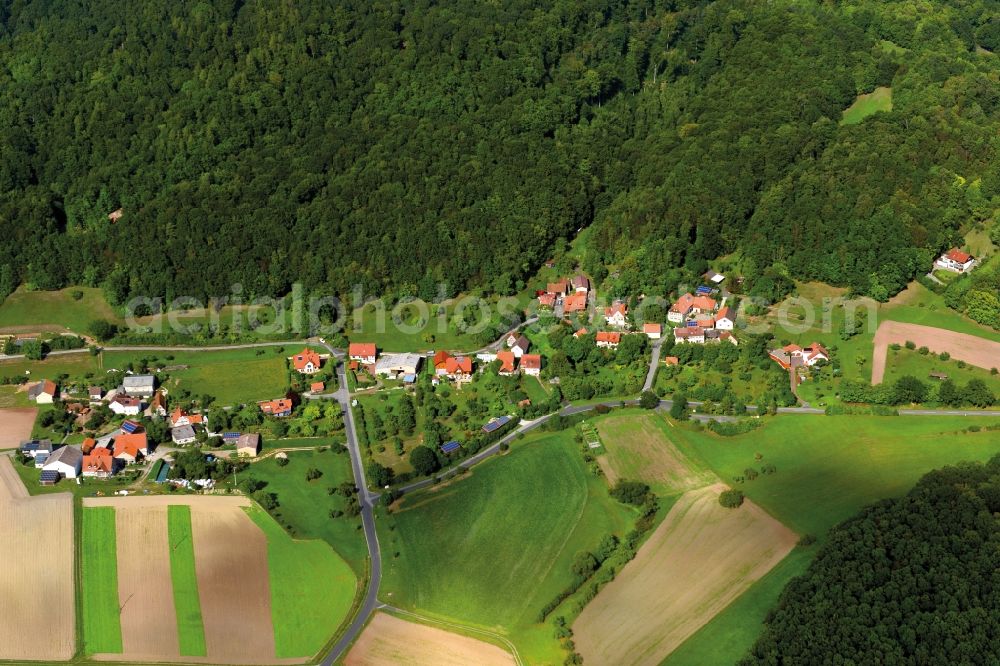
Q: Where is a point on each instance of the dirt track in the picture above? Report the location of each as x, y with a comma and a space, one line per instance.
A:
700, 559
973, 350
15, 426
37, 608
210, 502
145, 589
388, 641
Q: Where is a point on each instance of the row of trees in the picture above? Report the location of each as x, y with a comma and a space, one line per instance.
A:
910, 390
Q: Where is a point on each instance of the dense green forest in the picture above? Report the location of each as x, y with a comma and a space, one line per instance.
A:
399, 144
908, 581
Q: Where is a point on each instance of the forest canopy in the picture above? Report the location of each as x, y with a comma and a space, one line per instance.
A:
908, 581
401, 144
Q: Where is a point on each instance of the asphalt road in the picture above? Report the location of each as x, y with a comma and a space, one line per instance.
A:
654, 361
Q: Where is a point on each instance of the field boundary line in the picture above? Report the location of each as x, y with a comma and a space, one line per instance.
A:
444, 623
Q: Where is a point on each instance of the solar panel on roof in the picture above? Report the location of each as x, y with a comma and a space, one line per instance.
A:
230, 435
130, 427
49, 475
704, 290
448, 447
692, 324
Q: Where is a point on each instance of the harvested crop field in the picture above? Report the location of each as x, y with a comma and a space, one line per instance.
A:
231, 568
972, 349
35, 530
15, 426
388, 640
638, 448
145, 590
700, 559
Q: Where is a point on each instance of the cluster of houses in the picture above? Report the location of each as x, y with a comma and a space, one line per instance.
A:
97, 458
570, 295
700, 319
956, 260
794, 356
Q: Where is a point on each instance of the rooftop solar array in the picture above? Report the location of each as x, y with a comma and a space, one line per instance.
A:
130, 427
230, 435
704, 290
49, 475
496, 423
449, 447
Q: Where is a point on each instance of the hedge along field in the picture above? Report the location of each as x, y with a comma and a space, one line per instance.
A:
312, 589
504, 539
190, 630
102, 631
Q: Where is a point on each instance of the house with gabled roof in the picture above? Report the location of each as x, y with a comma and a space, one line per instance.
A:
142, 386
794, 356
560, 288
183, 434
158, 405
363, 352
531, 364
307, 362
575, 302
507, 360
617, 315
691, 334
580, 284
520, 345
99, 464
652, 331
608, 339
95, 394
725, 319
248, 445
66, 460
956, 260
131, 448
125, 405
44, 392
281, 407
179, 417
547, 301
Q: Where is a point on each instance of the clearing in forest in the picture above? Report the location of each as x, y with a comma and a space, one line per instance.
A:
868, 104
700, 559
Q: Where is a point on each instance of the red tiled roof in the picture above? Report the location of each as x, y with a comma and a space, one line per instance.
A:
689, 332
317, 387
547, 300
582, 331
672, 360
531, 362
88, 445
616, 308
130, 444
575, 302
958, 256
506, 359
362, 349
652, 328
683, 304
462, 364
704, 303
304, 358
441, 359
724, 313
556, 287
608, 336
276, 406
98, 461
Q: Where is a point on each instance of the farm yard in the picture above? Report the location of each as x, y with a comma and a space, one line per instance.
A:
700, 558
16, 425
38, 582
501, 513
389, 640
962, 347
193, 581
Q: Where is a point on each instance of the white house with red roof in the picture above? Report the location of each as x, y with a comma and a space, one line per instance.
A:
725, 319
608, 339
652, 331
363, 352
617, 315
531, 364
956, 260
794, 356
690, 305
307, 361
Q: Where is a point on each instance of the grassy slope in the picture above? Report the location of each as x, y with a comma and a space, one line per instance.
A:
305, 505
868, 104
54, 310
908, 362
308, 581
829, 467
102, 630
504, 540
190, 630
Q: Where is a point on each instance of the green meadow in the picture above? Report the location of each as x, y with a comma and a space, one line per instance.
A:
305, 506
190, 630
868, 104
308, 581
54, 310
102, 630
900, 362
503, 540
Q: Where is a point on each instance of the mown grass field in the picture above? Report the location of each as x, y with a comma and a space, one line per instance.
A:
312, 589
72, 365
54, 310
305, 506
828, 467
904, 361
231, 377
10, 396
868, 104
102, 631
190, 630
503, 540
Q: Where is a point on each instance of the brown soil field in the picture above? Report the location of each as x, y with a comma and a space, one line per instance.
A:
974, 350
233, 585
637, 448
145, 589
37, 614
388, 641
700, 559
15, 426
211, 502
